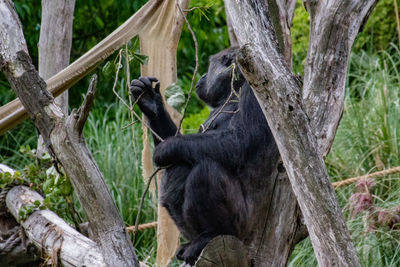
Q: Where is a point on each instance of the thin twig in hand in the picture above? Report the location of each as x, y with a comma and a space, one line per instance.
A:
193, 8
231, 112
221, 110
142, 199
123, 101
130, 124
116, 80
195, 68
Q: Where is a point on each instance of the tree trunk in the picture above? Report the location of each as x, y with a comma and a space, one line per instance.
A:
64, 141
278, 91
55, 46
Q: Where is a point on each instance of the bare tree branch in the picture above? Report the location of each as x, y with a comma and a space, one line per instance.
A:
334, 26
65, 143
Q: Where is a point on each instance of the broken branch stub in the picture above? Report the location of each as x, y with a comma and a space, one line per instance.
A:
50, 233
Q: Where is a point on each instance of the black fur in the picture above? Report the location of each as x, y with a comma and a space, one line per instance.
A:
208, 188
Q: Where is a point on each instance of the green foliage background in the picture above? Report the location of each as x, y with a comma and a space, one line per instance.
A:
367, 139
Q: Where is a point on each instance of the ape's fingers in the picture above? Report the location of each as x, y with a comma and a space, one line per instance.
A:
146, 82
136, 91
137, 83
157, 88
153, 79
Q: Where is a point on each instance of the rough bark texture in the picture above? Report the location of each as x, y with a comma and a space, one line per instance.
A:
48, 231
274, 234
334, 26
55, 41
55, 46
223, 250
65, 142
279, 95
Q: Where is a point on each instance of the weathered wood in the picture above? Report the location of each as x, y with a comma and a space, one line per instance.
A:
279, 95
273, 234
223, 250
55, 41
55, 46
48, 231
13, 252
64, 142
333, 28
23, 253
232, 36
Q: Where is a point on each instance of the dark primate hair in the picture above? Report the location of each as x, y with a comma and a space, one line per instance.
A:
214, 179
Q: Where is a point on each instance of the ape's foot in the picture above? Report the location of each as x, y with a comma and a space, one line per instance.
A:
191, 251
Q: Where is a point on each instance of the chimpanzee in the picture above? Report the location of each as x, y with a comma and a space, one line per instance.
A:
210, 178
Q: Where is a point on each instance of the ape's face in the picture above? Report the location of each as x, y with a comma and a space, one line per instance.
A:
215, 86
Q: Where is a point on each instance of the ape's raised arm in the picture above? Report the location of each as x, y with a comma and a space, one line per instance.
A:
151, 104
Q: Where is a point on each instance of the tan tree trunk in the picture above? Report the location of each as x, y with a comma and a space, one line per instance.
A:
55, 46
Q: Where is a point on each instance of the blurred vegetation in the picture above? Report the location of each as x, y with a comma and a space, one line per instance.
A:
367, 139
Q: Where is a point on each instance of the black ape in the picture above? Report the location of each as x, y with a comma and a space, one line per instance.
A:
209, 184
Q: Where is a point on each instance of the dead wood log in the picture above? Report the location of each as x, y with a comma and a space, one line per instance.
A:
14, 249
50, 233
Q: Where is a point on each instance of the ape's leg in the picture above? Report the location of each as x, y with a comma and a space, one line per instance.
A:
172, 196
214, 204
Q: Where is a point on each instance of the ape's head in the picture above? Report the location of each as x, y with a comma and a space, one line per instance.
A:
215, 86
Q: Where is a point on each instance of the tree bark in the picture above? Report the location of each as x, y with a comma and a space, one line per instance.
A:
279, 94
64, 141
55, 46
232, 35
50, 233
333, 28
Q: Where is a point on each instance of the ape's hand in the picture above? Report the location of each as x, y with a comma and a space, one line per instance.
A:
147, 97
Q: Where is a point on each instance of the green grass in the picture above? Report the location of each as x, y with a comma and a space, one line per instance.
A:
117, 151
367, 140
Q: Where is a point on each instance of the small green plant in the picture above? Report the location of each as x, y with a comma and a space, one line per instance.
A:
27, 210
40, 175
